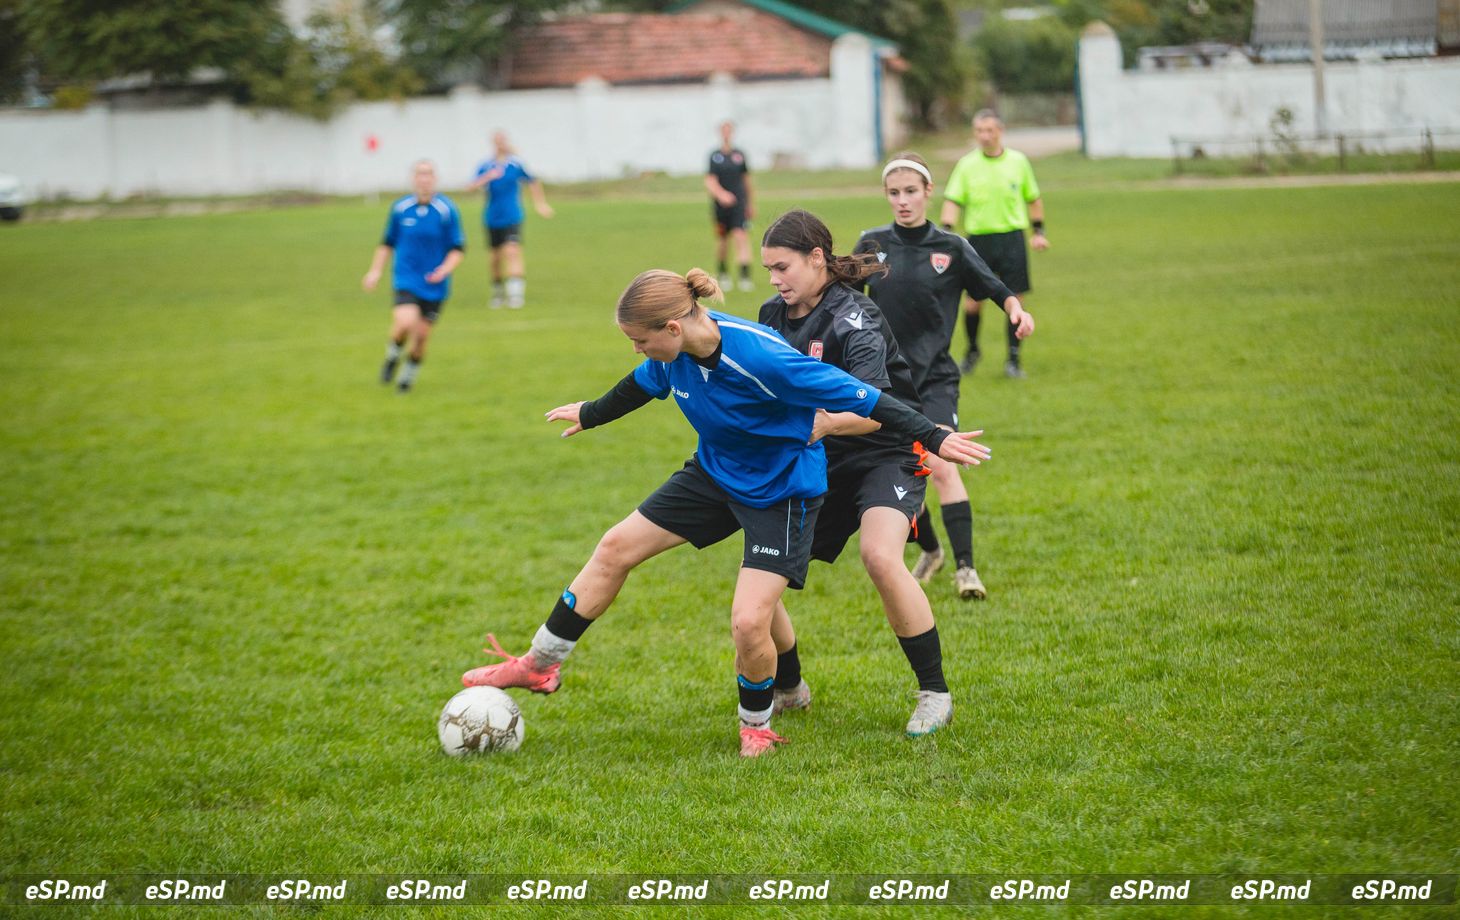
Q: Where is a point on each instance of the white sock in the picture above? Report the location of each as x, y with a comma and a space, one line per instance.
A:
392, 351
408, 376
750, 719
548, 648
517, 289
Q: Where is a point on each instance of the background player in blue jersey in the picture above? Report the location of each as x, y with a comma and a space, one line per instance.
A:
875, 478
424, 232
753, 400
504, 175
928, 271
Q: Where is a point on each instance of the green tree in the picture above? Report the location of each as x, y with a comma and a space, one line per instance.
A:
14, 53
451, 40
1033, 56
86, 40
336, 62
1146, 23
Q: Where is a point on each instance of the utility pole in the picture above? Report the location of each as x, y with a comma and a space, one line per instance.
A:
1315, 42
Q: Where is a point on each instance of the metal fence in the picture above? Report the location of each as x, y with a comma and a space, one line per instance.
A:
1280, 147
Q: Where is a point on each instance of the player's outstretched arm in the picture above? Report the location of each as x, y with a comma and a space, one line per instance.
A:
1021, 319
569, 413
377, 265
625, 397
960, 447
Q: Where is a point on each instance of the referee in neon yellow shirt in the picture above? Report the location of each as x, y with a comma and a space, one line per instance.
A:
992, 198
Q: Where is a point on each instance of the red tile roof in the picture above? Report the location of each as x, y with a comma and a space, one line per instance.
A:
658, 48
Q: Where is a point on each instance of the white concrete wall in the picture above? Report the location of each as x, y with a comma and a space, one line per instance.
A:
592, 131
1137, 113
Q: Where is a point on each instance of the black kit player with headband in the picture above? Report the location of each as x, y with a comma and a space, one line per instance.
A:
929, 270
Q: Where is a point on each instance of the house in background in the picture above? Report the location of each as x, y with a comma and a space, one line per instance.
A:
719, 41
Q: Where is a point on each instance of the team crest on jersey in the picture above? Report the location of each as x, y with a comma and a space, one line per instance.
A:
940, 261
816, 350
881, 257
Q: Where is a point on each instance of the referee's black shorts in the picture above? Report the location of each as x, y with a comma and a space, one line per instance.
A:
1006, 256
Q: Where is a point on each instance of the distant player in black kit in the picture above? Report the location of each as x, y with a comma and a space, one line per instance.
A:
728, 182
874, 477
928, 272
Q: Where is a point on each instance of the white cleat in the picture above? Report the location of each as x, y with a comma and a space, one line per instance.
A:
798, 697
747, 285
934, 710
927, 565
969, 584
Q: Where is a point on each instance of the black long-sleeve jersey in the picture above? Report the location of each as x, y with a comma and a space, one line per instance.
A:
930, 269
847, 331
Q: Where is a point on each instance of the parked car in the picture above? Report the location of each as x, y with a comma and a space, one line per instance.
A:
13, 198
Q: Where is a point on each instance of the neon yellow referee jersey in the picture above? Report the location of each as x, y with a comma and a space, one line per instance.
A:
994, 191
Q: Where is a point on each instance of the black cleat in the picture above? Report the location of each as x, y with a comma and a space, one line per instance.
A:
387, 370
1013, 371
403, 387
969, 362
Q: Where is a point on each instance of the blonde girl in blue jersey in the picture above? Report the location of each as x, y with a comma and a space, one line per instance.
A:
752, 399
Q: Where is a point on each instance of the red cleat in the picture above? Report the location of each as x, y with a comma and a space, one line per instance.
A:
757, 741
514, 672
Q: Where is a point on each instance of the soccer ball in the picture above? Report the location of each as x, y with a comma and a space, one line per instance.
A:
480, 720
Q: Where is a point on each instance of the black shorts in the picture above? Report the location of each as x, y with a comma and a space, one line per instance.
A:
777, 539
889, 483
939, 394
430, 309
1007, 256
731, 218
497, 237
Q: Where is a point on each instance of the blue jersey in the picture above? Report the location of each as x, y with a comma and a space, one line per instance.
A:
504, 197
754, 410
422, 235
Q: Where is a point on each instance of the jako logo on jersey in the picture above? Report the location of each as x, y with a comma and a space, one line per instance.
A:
764, 551
940, 261
855, 320
816, 350
680, 393
901, 492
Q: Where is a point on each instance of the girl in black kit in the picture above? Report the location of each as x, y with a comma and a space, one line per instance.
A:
929, 270
874, 478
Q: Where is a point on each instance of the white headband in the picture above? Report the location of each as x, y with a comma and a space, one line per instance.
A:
907, 164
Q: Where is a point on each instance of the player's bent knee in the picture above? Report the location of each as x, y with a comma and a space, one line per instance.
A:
882, 565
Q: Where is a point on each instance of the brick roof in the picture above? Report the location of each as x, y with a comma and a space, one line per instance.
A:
657, 48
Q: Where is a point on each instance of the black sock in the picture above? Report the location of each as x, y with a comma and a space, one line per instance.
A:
724, 269
1009, 333
564, 621
745, 271
925, 654
958, 521
927, 537
756, 698
788, 669
970, 327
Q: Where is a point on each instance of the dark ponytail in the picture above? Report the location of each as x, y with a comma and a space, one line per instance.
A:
801, 231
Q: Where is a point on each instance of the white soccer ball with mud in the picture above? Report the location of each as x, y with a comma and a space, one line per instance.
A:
480, 720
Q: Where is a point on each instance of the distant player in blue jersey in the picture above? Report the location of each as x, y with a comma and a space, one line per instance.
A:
753, 400
503, 176
424, 232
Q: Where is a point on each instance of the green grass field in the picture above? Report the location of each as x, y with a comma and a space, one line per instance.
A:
1220, 534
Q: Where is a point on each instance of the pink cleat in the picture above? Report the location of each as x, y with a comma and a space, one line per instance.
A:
757, 741
514, 672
